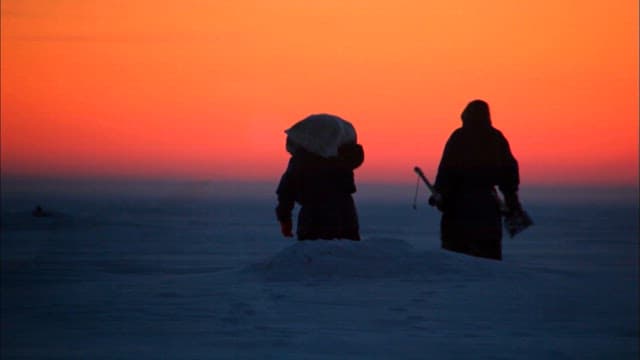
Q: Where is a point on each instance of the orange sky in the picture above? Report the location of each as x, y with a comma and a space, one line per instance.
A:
204, 89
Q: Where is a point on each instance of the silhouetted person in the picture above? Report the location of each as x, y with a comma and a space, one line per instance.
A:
323, 188
476, 158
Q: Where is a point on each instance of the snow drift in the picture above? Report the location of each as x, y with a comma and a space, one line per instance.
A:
369, 258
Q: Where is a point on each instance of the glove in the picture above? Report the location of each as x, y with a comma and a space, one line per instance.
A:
286, 228
436, 200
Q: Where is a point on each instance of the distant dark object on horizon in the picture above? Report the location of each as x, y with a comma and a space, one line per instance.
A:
39, 212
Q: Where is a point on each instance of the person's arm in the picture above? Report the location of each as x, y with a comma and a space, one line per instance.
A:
286, 200
509, 177
444, 178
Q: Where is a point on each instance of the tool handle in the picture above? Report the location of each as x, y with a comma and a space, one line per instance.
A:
424, 178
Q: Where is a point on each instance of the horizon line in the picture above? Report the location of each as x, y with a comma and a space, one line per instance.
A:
118, 179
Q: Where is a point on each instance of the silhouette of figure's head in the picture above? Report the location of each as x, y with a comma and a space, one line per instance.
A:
476, 114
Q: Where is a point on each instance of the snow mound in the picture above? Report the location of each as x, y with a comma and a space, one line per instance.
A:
369, 258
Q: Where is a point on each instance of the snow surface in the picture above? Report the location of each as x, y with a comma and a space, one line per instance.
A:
209, 278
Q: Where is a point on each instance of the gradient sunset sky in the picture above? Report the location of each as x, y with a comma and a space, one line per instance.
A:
204, 89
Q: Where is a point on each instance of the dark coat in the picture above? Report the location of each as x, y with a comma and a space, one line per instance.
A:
476, 158
323, 188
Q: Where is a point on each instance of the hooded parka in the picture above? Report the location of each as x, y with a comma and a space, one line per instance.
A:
476, 158
323, 188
